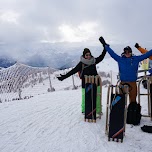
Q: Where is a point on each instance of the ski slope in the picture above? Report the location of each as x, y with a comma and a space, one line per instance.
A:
53, 122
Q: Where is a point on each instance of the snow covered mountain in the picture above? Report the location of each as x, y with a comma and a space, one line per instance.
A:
60, 55
6, 62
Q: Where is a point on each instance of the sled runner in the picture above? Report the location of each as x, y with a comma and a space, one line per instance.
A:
116, 112
150, 104
148, 94
93, 92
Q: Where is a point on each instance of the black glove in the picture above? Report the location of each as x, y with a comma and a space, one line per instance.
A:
137, 45
61, 77
101, 39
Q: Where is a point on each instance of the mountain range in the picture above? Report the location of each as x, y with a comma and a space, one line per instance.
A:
57, 55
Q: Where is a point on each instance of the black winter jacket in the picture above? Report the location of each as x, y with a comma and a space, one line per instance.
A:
87, 70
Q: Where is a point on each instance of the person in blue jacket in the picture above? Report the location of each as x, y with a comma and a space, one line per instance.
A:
128, 66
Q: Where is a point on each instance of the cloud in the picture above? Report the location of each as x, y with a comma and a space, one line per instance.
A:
80, 33
27, 24
115, 17
9, 17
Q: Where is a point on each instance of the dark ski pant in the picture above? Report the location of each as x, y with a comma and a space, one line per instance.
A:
132, 90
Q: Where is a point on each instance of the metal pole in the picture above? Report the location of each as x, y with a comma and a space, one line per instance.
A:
111, 76
51, 88
74, 87
19, 93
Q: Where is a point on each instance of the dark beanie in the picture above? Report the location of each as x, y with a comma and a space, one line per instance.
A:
86, 50
128, 48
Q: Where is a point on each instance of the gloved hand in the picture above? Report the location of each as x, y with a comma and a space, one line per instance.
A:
101, 39
137, 45
61, 77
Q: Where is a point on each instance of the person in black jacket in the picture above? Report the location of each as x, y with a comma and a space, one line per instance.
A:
86, 66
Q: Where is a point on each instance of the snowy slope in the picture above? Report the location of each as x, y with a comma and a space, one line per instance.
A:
53, 122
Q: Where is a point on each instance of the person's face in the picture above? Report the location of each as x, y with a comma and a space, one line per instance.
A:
88, 56
127, 54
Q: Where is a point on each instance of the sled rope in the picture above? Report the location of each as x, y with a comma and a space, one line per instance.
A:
117, 133
91, 112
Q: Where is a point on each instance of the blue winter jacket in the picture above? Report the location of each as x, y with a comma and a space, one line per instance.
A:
128, 67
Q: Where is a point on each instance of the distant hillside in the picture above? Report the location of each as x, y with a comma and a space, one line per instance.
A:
6, 62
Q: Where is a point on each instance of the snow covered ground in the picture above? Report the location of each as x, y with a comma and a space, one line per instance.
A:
53, 122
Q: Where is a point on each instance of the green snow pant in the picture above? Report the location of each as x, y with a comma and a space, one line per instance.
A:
98, 103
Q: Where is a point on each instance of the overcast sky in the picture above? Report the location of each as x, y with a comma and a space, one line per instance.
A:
25, 22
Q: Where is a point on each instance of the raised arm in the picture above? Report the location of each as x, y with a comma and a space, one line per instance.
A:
101, 57
145, 56
108, 49
112, 53
142, 50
